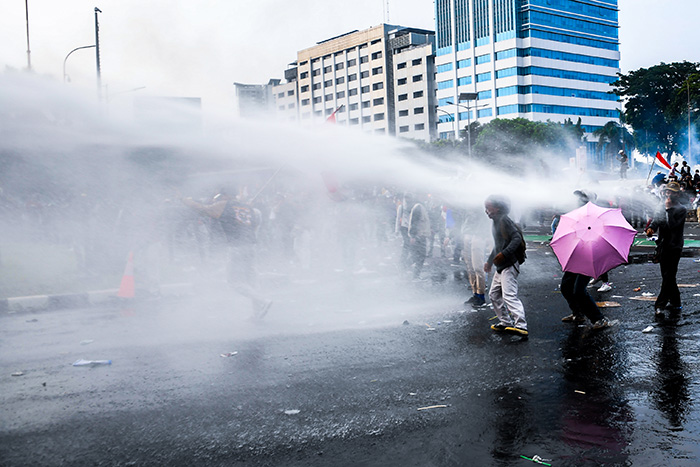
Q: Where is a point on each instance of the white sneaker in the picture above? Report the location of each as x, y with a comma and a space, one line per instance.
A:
593, 282
606, 287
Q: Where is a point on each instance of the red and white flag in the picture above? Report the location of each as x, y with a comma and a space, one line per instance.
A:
663, 161
331, 118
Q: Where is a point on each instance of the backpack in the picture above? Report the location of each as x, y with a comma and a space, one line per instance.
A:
520, 253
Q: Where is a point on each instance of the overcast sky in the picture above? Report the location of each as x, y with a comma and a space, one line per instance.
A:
198, 48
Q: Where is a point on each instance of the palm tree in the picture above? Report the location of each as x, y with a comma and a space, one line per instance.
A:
612, 137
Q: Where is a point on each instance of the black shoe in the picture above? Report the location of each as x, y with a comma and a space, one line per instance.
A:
573, 319
471, 300
674, 309
478, 301
500, 327
602, 323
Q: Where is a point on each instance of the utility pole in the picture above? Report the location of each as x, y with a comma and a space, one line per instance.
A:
690, 161
97, 55
29, 58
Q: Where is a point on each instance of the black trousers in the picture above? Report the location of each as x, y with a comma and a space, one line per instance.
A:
574, 289
669, 295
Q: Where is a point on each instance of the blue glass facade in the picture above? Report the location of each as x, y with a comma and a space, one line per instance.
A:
564, 65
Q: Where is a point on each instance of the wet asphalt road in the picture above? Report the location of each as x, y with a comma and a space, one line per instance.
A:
324, 380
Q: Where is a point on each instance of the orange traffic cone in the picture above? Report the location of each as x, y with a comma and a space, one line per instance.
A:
126, 289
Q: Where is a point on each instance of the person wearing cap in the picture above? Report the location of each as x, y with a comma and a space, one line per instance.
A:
669, 223
508, 240
624, 165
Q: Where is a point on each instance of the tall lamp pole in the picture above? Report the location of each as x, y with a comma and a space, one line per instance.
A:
65, 59
690, 160
467, 96
452, 119
97, 55
29, 58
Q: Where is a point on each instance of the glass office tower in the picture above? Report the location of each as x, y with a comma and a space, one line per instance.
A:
536, 59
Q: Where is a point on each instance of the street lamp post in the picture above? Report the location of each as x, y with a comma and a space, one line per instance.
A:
467, 96
97, 55
29, 56
452, 119
64, 60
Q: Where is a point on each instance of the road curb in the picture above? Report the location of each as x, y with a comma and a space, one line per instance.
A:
76, 300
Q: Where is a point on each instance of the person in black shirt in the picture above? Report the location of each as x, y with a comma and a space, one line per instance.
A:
239, 222
669, 223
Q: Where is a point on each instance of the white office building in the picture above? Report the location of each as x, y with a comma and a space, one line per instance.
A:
380, 80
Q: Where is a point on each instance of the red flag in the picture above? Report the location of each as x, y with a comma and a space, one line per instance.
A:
662, 160
331, 119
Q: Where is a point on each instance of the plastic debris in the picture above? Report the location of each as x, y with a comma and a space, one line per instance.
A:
412, 393
229, 354
82, 362
579, 392
537, 460
638, 289
86, 342
607, 304
447, 321
648, 329
292, 411
644, 298
687, 286
18, 373
440, 406
647, 294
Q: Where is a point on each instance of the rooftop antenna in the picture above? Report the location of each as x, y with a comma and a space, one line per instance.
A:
386, 11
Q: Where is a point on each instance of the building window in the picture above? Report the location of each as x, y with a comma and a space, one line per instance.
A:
376, 86
378, 101
352, 92
290, 93
403, 129
327, 69
401, 66
328, 97
290, 106
401, 81
315, 72
352, 62
417, 78
329, 111
353, 106
340, 80
403, 113
366, 119
378, 117
364, 59
484, 95
419, 127
303, 75
463, 81
481, 77
340, 94
464, 63
483, 59
354, 121
444, 68
339, 66
328, 83
364, 89
417, 94
317, 86
376, 71
315, 60
317, 99
365, 105
418, 110
352, 77
281, 107
376, 41
417, 61
403, 97
376, 55
364, 74
305, 88
280, 95
304, 102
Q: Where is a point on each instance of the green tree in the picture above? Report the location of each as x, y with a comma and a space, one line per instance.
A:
613, 137
522, 137
654, 101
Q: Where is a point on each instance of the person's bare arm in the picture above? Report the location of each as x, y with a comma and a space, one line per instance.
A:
212, 210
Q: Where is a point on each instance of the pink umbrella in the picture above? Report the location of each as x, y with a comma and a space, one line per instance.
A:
592, 240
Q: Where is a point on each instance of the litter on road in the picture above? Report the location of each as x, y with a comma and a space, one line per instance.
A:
579, 392
292, 411
229, 354
644, 299
441, 406
607, 304
687, 286
648, 329
638, 289
17, 373
537, 460
82, 362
